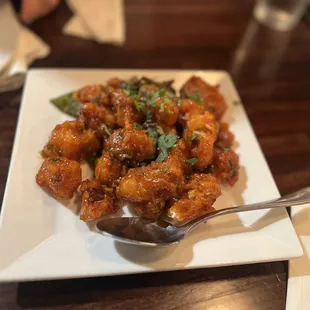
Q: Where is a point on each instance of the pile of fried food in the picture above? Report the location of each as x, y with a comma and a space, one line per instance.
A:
160, 151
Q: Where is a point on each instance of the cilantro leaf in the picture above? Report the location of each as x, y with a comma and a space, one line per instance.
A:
152, 132
126, 91
139, 105
165, 142
149, 116
162, 155
137, 126
194, 136
192, 161
195, 97
161, 93
106, 129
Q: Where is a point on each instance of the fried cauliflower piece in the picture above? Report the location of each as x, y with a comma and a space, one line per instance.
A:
151, 186
189, 109
226, 166
109, 169
60, 177
204, 94
92, 93
96, 201
97, 118
72, 140
125, 112
133, 143
199, 137
225, 138
198, 196
166, 112
150, 210
114, 82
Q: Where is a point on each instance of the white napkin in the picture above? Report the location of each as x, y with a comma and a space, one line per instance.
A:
100, 20
298, 287
29, 48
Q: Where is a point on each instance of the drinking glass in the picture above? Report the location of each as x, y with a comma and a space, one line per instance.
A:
282, 15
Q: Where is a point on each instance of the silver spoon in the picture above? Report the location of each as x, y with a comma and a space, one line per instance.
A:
167, 230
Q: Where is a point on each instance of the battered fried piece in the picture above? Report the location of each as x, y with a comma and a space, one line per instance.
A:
198, 196
133, 143
166, 112
124, 110
147, 91
189, 108
225, 138
150, 210
72, 140
96, 117
96, 201
114, 82
60, 177
109, 169
199, 137
226, 166
92, 93
152, 185
203, 93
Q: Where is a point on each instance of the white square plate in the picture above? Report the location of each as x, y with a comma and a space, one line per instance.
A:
42, 239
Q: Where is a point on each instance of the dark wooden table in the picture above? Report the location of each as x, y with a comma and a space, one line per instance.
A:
272, 73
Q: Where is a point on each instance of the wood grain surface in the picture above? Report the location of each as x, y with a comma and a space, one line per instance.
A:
272, 74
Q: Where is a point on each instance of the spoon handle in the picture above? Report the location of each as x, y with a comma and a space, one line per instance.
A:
297, 198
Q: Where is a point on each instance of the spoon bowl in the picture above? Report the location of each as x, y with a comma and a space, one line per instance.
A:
167, 230
140, 231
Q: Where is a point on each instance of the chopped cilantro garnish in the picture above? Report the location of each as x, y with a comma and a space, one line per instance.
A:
152, 132
106, 129
152, 103
55, 159
195, 97
161, 93
165, 142
126, 91
139, 105
192, 161
162, 155
130, 92
137, 126
194, 136
236, 102
149, 116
